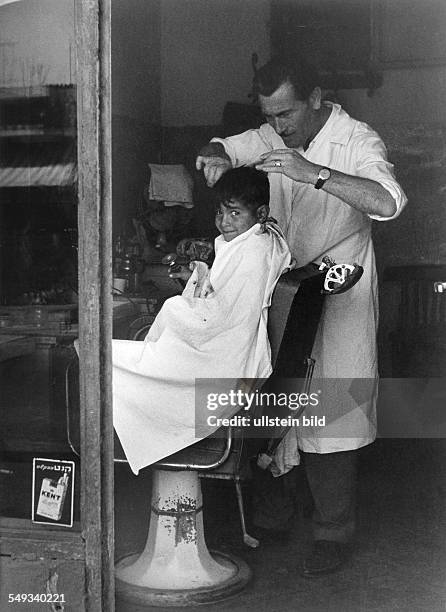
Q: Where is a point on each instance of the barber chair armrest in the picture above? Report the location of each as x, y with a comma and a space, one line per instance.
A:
206, 455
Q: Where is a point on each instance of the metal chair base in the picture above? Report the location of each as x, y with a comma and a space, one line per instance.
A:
146, 596
176, 568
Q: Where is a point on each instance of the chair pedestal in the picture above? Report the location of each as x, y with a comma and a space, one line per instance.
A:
176, 567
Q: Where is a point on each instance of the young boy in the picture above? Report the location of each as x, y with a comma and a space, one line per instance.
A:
243, 197
217, 328
244, 201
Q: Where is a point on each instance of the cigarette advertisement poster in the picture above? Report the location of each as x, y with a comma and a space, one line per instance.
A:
53, 492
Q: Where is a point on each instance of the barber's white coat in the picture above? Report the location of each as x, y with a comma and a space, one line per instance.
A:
221, 336
315, 224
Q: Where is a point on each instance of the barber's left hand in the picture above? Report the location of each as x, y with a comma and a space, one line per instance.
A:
290, 163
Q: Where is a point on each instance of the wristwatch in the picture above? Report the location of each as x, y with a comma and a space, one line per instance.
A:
324, 175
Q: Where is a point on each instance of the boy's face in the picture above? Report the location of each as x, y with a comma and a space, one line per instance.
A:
233, 218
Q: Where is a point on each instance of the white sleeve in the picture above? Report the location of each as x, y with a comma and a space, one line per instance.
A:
245, 148
372, 163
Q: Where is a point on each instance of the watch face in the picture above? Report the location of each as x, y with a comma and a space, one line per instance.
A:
324, 174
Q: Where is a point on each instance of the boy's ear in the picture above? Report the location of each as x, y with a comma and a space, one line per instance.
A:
262, 213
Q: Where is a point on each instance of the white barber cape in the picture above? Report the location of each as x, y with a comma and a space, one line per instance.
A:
220, 335
316, 224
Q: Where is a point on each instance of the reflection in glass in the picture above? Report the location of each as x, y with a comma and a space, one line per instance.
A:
38, 240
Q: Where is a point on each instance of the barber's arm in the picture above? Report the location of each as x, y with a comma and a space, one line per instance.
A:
363, 194
360, 193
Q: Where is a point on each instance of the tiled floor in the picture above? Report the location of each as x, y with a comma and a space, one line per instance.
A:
399, 560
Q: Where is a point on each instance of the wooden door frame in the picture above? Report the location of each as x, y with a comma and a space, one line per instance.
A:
93, 27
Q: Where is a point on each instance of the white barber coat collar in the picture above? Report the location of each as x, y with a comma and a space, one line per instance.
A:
338, 127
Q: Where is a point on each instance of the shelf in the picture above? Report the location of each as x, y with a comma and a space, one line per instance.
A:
37, 91
18, 93
41, 134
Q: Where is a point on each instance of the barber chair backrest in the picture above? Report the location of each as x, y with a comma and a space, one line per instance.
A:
293, 319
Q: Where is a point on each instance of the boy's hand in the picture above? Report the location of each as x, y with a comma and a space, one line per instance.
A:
180, 272
213, 167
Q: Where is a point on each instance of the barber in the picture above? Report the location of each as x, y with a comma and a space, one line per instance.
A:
329, 178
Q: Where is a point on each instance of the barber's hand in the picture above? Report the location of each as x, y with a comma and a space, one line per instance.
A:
213, 167
290, 163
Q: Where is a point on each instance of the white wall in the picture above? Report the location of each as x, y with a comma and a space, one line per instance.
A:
136, 62
37, 43
413, 95
206, 48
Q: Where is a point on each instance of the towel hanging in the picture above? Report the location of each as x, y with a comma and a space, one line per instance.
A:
171, 184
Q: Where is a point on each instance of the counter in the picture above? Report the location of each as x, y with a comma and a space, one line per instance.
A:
15, 346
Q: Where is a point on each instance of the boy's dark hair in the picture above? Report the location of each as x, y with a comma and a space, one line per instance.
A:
302, 76
245, 184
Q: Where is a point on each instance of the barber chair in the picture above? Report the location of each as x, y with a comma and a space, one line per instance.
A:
176, 568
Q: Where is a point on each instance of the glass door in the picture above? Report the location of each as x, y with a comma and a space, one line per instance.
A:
53, 509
